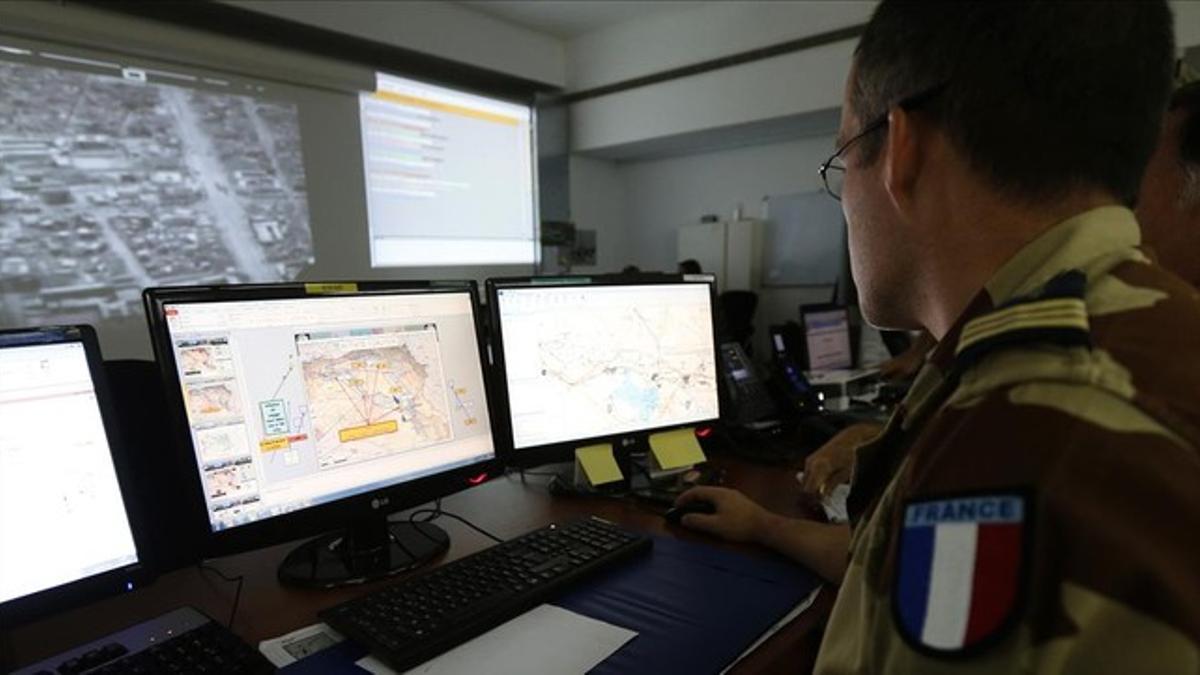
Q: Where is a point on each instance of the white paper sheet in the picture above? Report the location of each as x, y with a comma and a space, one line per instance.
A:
546, 640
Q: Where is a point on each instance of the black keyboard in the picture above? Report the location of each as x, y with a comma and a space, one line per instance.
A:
182, 641
415, 620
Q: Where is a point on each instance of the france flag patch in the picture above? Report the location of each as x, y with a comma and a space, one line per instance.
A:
960, 566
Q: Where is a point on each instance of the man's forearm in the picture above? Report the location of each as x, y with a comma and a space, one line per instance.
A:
822, 547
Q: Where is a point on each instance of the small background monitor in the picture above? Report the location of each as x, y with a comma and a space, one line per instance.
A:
827, 337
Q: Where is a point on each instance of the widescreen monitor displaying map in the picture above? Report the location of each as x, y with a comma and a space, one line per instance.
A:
604, 359
293, 402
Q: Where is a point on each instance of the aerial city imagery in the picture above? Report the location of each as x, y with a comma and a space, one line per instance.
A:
112, 183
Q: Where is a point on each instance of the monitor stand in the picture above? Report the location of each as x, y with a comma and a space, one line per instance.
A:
367, 550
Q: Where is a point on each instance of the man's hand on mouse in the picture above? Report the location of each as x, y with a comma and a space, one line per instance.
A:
737, 517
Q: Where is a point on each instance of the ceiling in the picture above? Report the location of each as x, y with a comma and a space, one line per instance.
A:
570, 18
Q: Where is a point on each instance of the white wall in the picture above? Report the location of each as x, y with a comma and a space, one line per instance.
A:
782, 86
791, 84
439, 28
598, 202
663, 194
672, 39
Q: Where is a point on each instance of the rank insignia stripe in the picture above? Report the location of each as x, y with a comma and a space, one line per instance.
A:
1058, 314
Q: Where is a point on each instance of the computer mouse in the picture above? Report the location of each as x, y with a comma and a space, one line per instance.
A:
675, 514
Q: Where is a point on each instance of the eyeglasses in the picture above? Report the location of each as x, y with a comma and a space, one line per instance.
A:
833, 170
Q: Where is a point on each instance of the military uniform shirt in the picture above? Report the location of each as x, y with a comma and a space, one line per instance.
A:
1034, 504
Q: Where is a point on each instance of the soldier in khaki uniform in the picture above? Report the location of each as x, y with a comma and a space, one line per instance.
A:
1034, 504
1168, 210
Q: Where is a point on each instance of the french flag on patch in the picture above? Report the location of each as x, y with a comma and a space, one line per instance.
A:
959, 569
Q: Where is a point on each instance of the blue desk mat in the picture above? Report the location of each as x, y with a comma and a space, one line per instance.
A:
695, 608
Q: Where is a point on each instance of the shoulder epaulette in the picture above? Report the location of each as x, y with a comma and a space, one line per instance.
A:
1055, 315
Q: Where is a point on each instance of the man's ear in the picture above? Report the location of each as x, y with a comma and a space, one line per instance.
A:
902, 158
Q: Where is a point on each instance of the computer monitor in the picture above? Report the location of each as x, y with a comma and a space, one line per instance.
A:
68, 532
583, 360
308, 408
827, 337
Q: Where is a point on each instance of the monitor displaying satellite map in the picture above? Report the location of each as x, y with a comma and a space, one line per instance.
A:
590, 361
297, 402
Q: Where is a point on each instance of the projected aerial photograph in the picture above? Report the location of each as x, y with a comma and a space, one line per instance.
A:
109, 185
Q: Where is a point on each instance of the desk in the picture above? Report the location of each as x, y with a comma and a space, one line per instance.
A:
504, 506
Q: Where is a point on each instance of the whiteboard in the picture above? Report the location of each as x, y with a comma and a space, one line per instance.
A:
804, 240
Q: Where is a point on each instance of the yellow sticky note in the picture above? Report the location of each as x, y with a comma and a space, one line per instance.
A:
673, 449
330, 288
598, 463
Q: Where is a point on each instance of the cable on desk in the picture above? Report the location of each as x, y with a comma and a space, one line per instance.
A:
473, 526
237, 594
426, 516
429, 515
433, 513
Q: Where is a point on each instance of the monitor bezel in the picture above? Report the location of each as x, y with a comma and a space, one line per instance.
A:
564, 451
122, 579
328, 516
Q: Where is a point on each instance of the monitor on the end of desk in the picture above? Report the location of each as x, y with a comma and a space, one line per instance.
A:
68, 535
308, 408
595, 359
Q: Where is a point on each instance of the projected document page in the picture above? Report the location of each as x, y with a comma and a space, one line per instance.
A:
597, 361
449, 176
61, 514
297, 402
